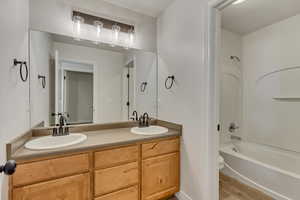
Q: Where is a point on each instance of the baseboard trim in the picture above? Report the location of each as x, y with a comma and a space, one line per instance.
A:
183, 196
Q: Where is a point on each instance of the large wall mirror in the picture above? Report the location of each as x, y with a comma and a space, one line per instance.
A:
88, 82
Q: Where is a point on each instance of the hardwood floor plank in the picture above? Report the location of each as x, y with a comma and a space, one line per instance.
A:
231, 189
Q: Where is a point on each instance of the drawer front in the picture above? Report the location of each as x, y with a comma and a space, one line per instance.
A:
29, 173
160, 147
160, 176
113, 157
70, 188
131, 193
116, 178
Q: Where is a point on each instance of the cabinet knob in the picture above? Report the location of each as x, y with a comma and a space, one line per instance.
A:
9, 168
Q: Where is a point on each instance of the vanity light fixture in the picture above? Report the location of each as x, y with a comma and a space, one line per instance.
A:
99, 26
77, 22
115, 34
238, 2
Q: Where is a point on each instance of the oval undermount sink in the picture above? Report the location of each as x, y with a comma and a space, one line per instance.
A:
150, 130
54, 142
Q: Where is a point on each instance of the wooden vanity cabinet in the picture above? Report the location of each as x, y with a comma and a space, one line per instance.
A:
142, 171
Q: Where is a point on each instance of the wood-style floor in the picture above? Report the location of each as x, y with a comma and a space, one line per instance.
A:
231, 189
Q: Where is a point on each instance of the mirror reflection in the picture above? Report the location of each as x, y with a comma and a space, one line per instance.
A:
87, 82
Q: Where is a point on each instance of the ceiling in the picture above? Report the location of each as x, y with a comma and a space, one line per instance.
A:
252, 15
148, 7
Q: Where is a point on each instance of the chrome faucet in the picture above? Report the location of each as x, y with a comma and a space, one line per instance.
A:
135, 116
144, 120
63, 129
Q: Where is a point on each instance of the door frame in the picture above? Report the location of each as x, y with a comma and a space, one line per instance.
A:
64, 69
213, 100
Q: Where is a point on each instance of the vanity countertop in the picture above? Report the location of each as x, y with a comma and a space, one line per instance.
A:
96, 139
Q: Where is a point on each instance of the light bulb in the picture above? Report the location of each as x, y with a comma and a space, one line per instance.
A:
77, 21
99, 26
131, 37
115, 34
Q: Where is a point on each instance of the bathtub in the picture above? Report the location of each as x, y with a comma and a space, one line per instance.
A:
274, 169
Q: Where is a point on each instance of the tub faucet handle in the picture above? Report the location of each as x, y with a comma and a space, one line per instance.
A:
233, 127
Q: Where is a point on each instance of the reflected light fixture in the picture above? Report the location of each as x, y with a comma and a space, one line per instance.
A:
77, 22
115, 34
238, 2
131, 33
98, 25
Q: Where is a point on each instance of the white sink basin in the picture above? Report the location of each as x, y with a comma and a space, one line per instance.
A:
151, 130
50, 142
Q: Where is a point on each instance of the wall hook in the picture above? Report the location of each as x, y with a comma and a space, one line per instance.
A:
143, 86
43, 80
235, 58
23, 64
169, 86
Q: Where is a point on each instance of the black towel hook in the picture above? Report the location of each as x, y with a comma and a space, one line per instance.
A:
43, 80
143, 86
23, 64
172, 82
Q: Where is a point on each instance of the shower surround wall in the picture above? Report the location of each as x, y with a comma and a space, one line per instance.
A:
231, 84
271, 64
270, 83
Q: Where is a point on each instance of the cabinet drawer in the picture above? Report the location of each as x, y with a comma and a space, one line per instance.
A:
29, 173
131, 193
113, 157
160, 147
116, 178
70, 188
160, 176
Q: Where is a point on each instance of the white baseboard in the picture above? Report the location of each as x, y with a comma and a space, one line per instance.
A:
183, 196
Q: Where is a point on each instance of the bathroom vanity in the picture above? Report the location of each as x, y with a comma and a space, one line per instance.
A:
112, 164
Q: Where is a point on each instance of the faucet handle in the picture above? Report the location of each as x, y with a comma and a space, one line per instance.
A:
141, 121
54, 131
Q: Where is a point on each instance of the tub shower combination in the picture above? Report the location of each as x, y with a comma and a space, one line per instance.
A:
275, 172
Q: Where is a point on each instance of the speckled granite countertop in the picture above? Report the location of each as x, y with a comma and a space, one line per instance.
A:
96, 139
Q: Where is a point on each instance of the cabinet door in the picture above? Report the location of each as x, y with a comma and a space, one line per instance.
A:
160, 176
69, 188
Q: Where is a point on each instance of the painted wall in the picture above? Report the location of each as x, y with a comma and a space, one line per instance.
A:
55, 17
41, 62
14, 94
182, 48
231, 84
108, 78
271, 62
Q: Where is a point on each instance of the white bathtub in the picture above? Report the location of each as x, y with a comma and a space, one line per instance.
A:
272, 168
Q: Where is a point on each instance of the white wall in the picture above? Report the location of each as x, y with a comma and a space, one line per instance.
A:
231, 84
182, 52
108, 71
265, 51
14, 94
40, 63
55, 17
